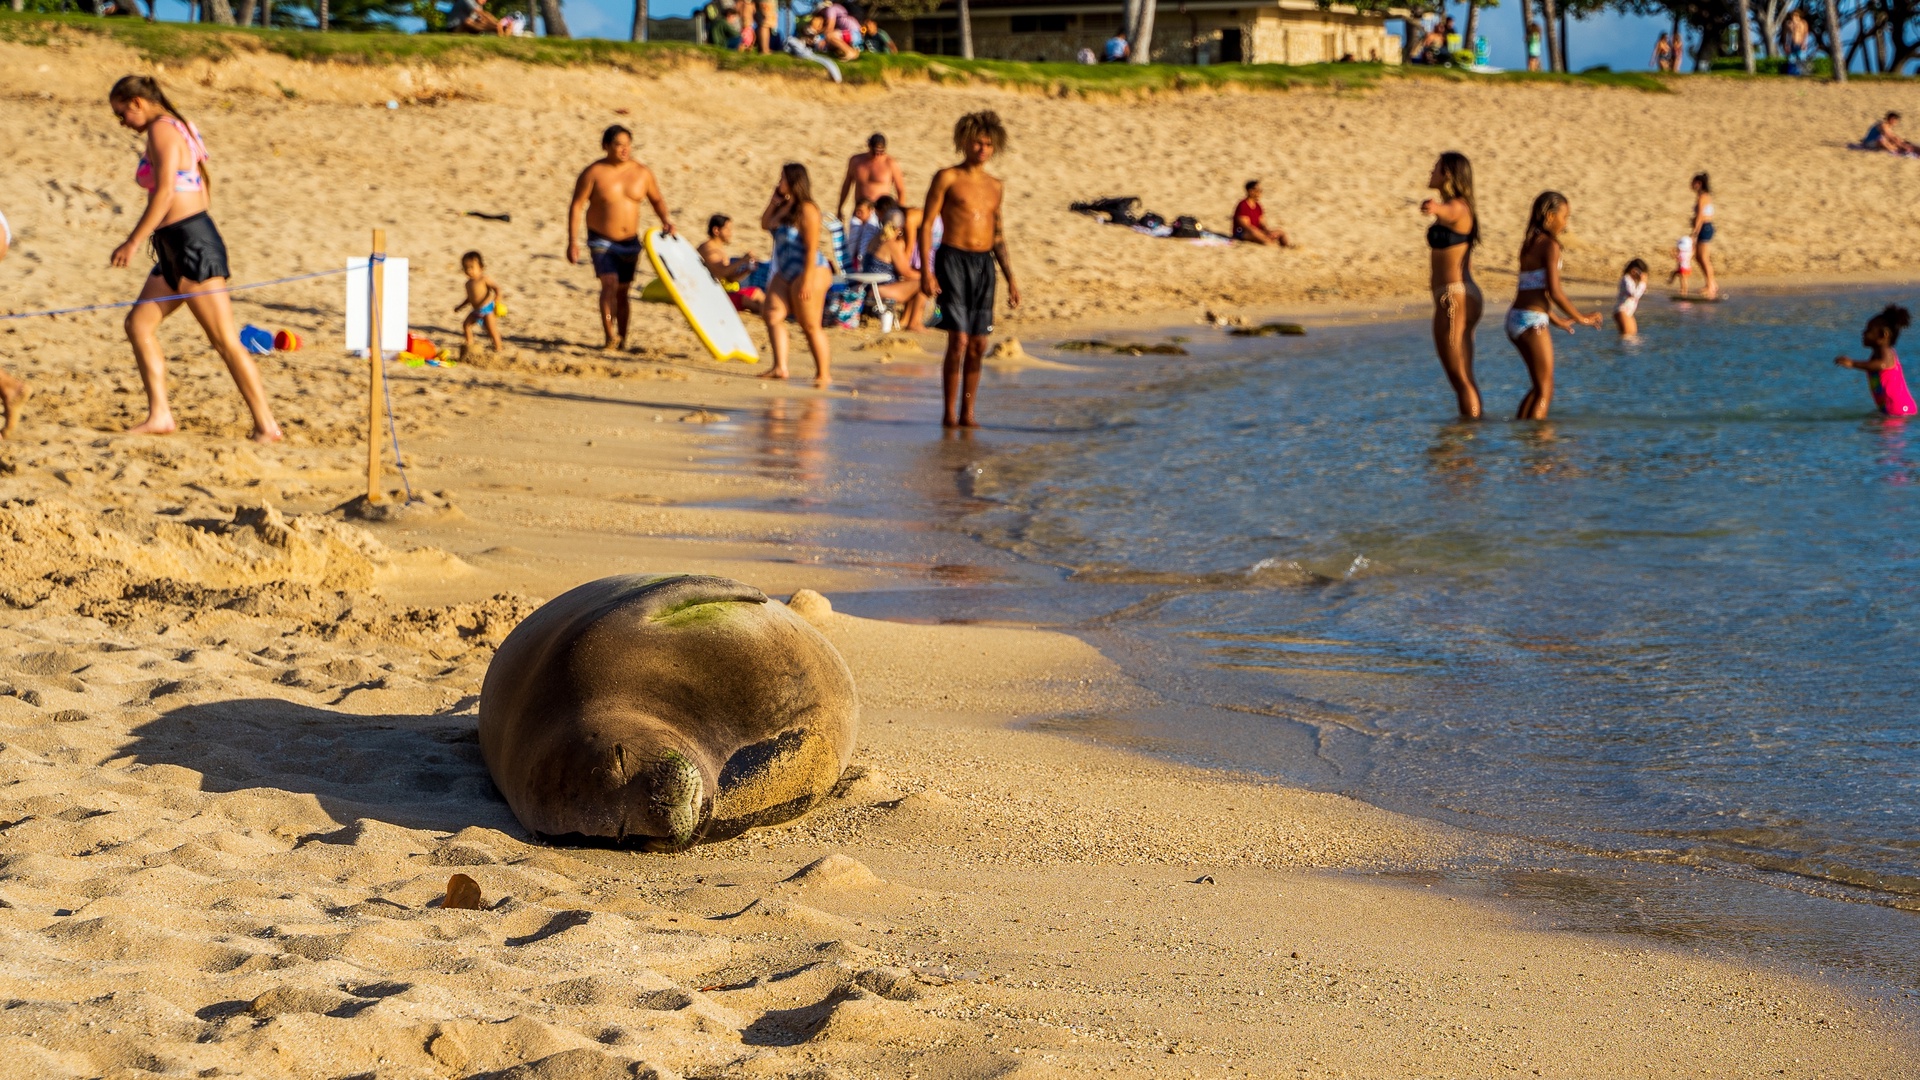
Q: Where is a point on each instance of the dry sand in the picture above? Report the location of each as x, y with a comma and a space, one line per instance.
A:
237, 761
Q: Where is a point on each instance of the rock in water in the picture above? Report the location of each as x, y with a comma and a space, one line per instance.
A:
663, 711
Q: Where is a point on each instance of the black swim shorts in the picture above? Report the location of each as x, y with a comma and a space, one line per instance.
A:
966, 290
617, 257
189, 250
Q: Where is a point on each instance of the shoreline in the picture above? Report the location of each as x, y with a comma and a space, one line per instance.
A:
236, 752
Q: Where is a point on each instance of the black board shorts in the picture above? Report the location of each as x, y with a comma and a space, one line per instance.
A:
966, 290
189, 250
617, 257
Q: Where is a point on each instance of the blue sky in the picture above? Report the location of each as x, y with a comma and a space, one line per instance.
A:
1621, 42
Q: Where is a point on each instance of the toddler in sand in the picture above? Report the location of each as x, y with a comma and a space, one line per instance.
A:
13, 392
1633, 286
485, 298
1885, 381
1682, 263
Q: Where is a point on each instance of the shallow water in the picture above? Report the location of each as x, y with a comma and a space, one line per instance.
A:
1677, 620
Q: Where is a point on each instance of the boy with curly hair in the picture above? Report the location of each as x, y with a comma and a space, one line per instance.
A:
966, 200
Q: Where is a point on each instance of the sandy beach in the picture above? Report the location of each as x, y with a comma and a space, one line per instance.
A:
237, 751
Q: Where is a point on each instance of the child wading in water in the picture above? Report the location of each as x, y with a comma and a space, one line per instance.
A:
1682, 263
484, 297
1885, 380
1539, 293
1633, 286
966, 199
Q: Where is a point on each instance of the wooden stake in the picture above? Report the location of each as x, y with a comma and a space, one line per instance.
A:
376, 366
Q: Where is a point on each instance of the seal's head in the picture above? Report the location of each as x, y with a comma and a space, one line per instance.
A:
626, 711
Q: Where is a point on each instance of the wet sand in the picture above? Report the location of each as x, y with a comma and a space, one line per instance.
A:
238, 763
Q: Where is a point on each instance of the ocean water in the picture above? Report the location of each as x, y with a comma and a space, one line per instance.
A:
1678, 622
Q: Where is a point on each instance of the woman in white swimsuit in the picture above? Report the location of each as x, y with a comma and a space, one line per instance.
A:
1457, 302
1539, 293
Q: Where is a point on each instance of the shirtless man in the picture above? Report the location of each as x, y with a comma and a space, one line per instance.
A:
606, 200
869, 175
725, 268
966, 200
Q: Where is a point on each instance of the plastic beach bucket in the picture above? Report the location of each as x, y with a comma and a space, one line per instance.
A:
286, 341
256, 340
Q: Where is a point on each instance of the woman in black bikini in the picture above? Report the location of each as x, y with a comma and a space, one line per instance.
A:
190, 255
1457, 302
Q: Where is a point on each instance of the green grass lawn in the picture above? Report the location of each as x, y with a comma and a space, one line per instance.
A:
171, 42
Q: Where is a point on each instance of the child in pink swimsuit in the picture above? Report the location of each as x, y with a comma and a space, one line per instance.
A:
1885, 380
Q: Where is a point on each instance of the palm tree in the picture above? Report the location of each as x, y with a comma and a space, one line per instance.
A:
1746, 34
639, 20
1140, 34
1556, 60
556, 22
1834, 49
966, 30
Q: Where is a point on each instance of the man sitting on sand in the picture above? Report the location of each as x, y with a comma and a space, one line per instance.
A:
1882, 136
606, 200
472, 17
967, 200
726, 269
1250, 221
870, 175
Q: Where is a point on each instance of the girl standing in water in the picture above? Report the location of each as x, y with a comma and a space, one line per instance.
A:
1539, 293
190, 256
1885, 381
1703, 233
1457, 301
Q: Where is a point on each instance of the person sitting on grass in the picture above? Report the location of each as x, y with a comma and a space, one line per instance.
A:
483, 297
1117, 51
1883, 136
472, 17
821, 37
729, 271
1249, 221
875, 40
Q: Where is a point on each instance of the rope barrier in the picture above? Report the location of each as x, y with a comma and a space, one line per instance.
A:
175, 296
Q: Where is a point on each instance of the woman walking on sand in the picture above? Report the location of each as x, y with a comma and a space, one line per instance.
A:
1457, 302
190, 255
800, 272
1539, 293
1702, 233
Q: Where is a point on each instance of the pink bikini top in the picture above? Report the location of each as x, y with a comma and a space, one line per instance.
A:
183, 179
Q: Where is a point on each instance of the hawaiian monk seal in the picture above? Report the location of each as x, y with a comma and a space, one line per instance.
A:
665, 710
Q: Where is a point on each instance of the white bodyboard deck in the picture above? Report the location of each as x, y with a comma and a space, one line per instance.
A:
700, 298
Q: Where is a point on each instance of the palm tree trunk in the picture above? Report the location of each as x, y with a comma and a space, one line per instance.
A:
247, 8
1142, 39
1746, 35
1473, 28
966, 29
323, 15
1833, 43
266, 13
640, 20
1552, 30
556, 22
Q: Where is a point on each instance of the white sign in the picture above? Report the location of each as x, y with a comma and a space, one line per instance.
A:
393, 310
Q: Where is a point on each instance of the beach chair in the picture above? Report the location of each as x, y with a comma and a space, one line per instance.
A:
846, 265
